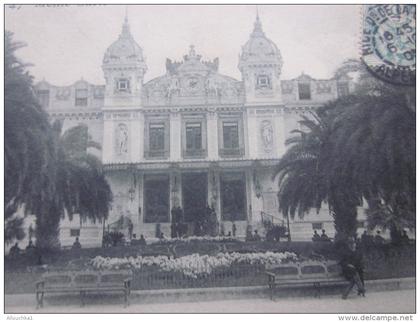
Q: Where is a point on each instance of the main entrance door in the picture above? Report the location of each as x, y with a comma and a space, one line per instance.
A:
194, 194
233, 193
156, 198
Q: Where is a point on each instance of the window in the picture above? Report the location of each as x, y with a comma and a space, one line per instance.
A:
343, 89
230, 135
81, 97
74, 232
263, 81
156, 199
317, 225
157, 136
123, 85
304, 91
44, 97
193, 136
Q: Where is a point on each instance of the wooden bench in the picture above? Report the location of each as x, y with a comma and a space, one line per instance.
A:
83, 282
313, 274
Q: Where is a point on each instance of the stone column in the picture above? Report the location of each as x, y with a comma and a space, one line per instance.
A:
138, 136
249, 194
175, 136
174, 190
108, 139
214, 196
140, 204
212, 135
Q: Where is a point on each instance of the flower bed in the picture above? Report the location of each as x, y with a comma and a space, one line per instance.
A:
191, 239
194, 265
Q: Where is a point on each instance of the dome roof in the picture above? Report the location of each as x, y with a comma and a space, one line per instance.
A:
259, 48
124, 49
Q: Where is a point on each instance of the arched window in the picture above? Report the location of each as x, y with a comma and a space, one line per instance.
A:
304, 89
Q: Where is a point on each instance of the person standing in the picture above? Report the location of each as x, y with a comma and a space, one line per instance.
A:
316, 237
352, 265
324, 236
76, 244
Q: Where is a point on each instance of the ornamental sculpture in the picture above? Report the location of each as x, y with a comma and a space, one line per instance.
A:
122, 139
267, 134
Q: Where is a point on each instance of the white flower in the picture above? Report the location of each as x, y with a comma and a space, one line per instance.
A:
194, 264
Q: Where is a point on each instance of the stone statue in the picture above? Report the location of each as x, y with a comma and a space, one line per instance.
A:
267, 133
212, 87
122, 139
173, 87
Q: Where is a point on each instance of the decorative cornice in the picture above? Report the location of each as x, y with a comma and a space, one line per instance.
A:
192, 164
76, 115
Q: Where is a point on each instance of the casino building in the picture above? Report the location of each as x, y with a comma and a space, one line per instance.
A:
192, 136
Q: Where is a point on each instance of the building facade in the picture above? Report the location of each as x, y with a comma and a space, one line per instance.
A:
191, 137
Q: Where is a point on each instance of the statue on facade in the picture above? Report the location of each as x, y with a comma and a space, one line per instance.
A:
267, 133
122, 139
173, 87
212, 88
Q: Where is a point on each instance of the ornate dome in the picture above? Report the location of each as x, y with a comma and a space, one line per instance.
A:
124, 49
259, 48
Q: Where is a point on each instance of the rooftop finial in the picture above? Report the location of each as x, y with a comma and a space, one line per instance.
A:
192, 51
126, 26
257, 25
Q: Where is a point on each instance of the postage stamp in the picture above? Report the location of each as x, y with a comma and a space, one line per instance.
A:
389, 42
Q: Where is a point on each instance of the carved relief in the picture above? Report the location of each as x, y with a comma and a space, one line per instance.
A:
99, 92
323, 87
173, 87
212, 87
63, 93
267, 135
122, 139
287, 87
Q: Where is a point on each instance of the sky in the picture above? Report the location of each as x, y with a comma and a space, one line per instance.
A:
67, 43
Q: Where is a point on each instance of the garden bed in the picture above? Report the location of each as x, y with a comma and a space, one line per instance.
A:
236, 264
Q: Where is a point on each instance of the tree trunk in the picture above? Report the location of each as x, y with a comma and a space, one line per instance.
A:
344, 208
48, 228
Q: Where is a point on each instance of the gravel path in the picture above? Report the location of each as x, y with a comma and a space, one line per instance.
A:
401, 301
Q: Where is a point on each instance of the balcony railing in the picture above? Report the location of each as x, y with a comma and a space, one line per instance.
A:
231, 152
194, 153
156, 154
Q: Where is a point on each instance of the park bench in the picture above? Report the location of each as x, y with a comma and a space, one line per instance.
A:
83, 282
307, 274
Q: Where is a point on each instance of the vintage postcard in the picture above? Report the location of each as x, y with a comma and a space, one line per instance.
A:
210, 159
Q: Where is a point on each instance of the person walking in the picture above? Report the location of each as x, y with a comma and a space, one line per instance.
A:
352, 266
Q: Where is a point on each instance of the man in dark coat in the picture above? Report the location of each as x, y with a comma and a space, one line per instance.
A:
352, 265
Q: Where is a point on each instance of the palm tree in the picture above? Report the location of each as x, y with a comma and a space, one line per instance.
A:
81, 186
307, 177
376, 133
29, 150
359, 146
46, 174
